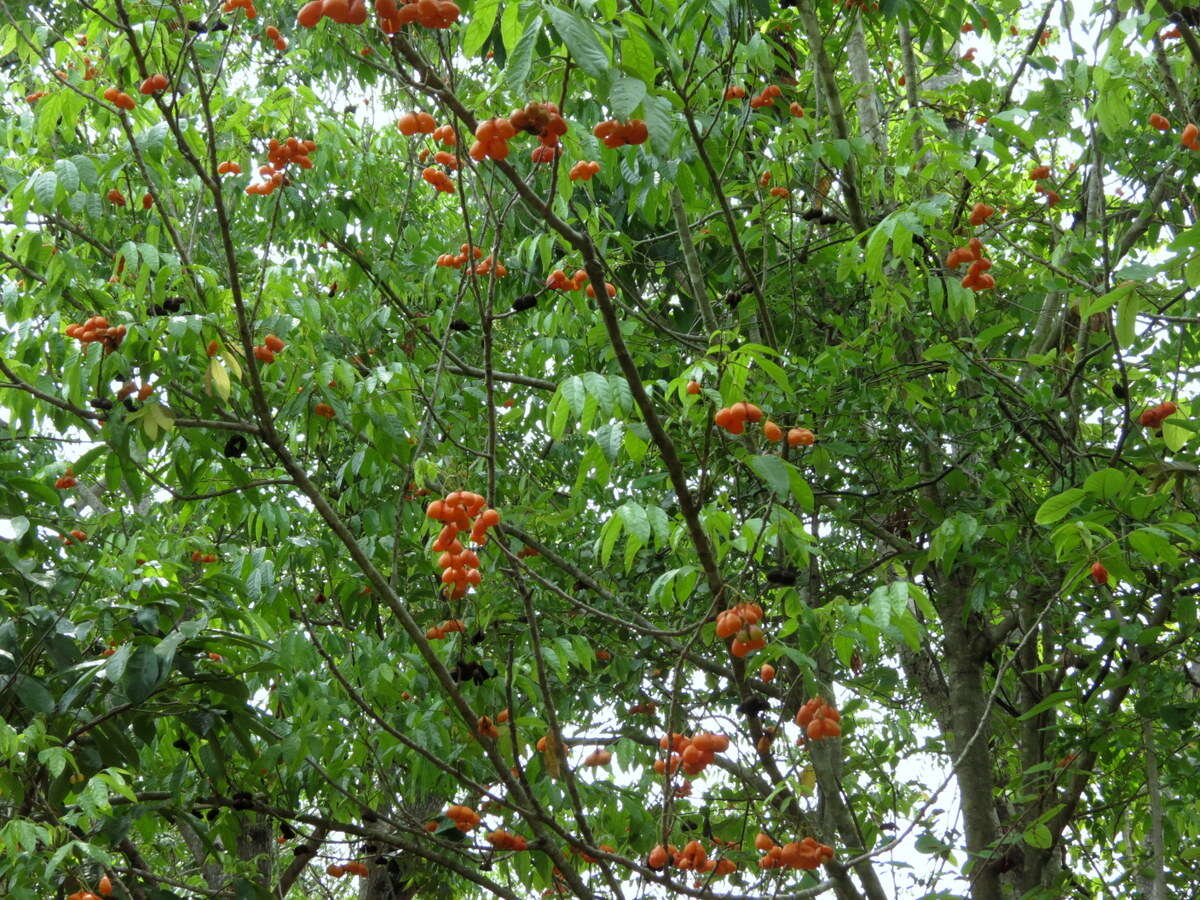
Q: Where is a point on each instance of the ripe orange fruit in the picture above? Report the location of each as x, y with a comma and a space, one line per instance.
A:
1159, 122
772, 432
767, 673
1099, 573
273, 343
800, 437
693, 387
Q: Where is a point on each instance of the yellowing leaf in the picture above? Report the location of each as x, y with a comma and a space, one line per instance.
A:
218, 378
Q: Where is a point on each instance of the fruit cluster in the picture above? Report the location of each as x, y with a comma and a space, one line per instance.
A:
616, 134
542, 120
1160, 122
438, 632
154, 84
545, 154
460, 566
229, 168
819, 719
980, 213
558, 280
103, 889
79, 536
97, 329
429, 13
1190, 136
343, 12
692, 858
502, 840
1153, 417
444, 134
694, 753
464, 817
976, 278
417, 123
491, 139
119, 98
350, 868
796, 109
247, 5
734, 418
780, 192
735, 92
279, 155
198, 557
451, 261
272, 34
1099, 573
488, 266
325, 411
599, 757
766, 98
265, 352
438, 179
67, 480
802, 854
741, 623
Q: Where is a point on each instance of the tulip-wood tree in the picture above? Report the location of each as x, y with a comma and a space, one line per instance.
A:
599, 449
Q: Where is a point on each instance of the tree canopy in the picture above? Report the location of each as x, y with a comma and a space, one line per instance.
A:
601, 449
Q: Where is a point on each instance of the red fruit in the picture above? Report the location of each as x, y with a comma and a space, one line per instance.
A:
264, 355
1159, 122
1189, 135
693, 387
980, 213
767, 674
104, 886
800, 437
147, 201
772, 432
273, 343
310, 14
1037, 173
115, 196
1099, 573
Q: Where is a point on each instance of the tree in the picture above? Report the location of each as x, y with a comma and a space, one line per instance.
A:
594, 448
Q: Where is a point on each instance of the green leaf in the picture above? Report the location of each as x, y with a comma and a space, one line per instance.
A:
483, 17
1128, 307
772, 470
45, 189
520, 60
1106, 484
660, 122
34, 695
68, 175
625, 95
1038, 836
1174, 436
1099, 304
141, 674
1044, 704
1058, 506
581, 40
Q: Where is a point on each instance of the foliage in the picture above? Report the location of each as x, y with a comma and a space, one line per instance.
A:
222, 669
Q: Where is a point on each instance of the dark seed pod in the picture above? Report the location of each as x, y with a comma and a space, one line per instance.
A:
783, 577
181, 744
525, 301
369, 816
197, 27
1119, 391
811, 214
459, 325
235, 446
101, 403
220, 26
754, 706
828, 219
